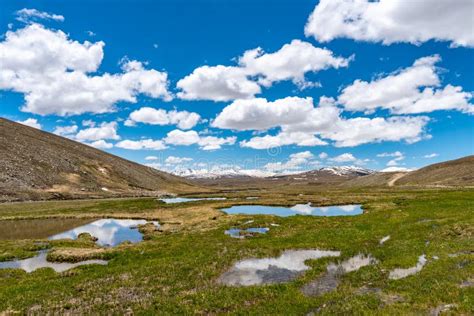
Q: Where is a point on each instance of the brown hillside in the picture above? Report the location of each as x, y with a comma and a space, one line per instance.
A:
459, 172
38, 165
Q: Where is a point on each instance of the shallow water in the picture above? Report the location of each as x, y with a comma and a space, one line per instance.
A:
184, 200
284, 268
38, 228
330, 280
298, 209
240, 233
39, 261
109, 232
403, 273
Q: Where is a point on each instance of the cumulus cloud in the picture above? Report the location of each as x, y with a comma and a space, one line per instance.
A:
55, 74
149, 144
415, 89
65, 130
396, 156
187, 138
390, 21
295, 161
255, 69
101, 144
28, 15
148, 158
147, 115
429, 156
260, 114
173, 160
303, 124
31, 122
346, 157
103, 131
217, 83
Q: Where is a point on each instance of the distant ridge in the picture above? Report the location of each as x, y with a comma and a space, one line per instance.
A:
459, 172
37, 165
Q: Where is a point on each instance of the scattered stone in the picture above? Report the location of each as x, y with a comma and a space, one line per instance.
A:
384, 239
442, 308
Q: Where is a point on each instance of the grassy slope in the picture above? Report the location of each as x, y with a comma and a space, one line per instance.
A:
459, 172
38, 165
175, 273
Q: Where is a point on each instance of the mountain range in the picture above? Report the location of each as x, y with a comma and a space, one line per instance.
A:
37, 165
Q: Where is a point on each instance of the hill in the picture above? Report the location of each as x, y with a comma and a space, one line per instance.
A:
37, 165
459, 172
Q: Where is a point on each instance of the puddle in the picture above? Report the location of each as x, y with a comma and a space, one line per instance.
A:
39, 261
284, 268
184, 200
298, 209
37, 228
330, 280
248, 232
403, 273
109, 232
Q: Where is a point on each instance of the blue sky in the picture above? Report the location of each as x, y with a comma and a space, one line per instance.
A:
372, 104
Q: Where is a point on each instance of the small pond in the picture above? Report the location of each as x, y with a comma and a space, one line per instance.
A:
242, 233
109, 232
39, 261
184, 200
298, 209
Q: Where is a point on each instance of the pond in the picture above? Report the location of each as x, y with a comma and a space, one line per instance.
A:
242, 233
298, 209
289, 265
109, 232
39, 261
38, 228
184, 200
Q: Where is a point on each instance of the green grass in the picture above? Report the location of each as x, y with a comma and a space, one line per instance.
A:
175, 273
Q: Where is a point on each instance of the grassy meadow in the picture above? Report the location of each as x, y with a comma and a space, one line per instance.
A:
175, 269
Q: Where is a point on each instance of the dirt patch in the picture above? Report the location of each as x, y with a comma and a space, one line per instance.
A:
77, 254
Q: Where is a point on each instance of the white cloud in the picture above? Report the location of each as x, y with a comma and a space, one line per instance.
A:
148, 158
255, 69
147, 115
88, 123
31, 122
283, 139
27, 15
65, 130
182, 138
396, 169
303, 124
54, 74
101, 144
323, 155
389, 21
291, 62
346, 157
149, 144
295, 161
259, 114
415, 89
104, 131
217, 83
397, 157
177, 160
433, 155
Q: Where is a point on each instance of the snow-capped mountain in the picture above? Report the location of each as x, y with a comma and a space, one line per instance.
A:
221, 173
216, 173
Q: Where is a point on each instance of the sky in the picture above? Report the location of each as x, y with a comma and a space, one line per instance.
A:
265, 88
